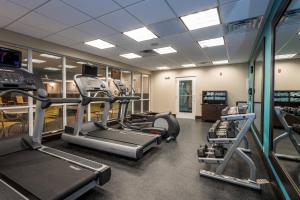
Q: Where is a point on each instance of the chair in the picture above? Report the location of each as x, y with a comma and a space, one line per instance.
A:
1, 102
20, 100
6, 124
51, 114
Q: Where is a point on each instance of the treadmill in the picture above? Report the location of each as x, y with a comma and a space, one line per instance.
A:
97, 135
29, 170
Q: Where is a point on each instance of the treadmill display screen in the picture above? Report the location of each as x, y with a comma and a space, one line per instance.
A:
10, 58
88, 70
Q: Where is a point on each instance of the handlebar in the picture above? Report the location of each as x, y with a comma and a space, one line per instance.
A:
127, 98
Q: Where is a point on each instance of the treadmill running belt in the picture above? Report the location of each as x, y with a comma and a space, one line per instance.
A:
123, 136
8, 193
44, 176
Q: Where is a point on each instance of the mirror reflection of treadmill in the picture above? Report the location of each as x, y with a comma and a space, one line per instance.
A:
96, 134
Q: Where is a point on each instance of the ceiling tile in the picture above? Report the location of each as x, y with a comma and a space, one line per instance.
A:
216, 53
127, 2
168, 27
37, 20
221, 2
124, 42
291, 47
94, 8
239, 45
63, 13
60, 40
180, 41
27, 30
76, 35
30, 4
4, 21
284, 33
177, 59
96, 28
295, 4
151, 11
121, 20
182, 7
243, 9
195, 54
208, 32
10, 10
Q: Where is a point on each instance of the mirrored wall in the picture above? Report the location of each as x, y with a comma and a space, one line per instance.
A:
57, 72
285, 138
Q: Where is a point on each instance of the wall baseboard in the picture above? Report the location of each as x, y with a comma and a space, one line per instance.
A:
198, 117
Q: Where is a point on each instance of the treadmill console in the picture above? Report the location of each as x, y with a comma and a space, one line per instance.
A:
87, 84
14, 78
120, 86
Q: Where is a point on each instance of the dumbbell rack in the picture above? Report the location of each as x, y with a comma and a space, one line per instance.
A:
233, 114
288, 133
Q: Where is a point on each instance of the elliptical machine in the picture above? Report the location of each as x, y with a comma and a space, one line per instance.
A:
164, 124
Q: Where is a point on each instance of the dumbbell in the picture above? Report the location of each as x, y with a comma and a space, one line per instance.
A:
202, 151
219, 151
296, 128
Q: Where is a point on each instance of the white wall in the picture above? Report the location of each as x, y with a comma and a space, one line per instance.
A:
228, 77
287, 74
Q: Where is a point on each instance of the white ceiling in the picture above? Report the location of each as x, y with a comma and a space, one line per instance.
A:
72, 22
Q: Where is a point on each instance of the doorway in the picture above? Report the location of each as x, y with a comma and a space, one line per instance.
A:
186, 97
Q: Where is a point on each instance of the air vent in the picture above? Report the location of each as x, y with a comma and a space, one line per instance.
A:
244, 25
147, 53
290, 15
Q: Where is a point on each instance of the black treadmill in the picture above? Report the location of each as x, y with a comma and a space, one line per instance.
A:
29, 170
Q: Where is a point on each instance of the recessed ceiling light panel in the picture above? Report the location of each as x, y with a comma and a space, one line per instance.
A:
100, 44
284, 56
211, 42
165, 50
201, 19
189, 65
219, 62
52, 68
163, 68
50, 56
140, 34
36, 61
130, 55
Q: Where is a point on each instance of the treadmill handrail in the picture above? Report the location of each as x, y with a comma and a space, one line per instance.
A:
46, 102
127, 98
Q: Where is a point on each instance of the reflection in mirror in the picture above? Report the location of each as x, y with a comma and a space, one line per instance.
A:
258, 88
286, 112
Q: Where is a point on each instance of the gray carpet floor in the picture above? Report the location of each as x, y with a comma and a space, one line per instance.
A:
171, 171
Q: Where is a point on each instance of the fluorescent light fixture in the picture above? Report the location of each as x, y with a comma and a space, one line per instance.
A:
284, 56
165, 50
24, 65
50, 56
140, 34
81, 63
100, 44
126, 72
189, 65
211, 42
218, 62
201, 19
36, 61
68, 66
130, 55
52, 68
163, 68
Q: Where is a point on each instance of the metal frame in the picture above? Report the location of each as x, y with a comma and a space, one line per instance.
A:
289, 133
234, 147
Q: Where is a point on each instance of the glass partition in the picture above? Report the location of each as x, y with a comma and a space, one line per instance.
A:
258, 91
49, 68
137, 86
146, 90
285, 135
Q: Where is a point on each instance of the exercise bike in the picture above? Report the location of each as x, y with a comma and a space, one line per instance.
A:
164, 124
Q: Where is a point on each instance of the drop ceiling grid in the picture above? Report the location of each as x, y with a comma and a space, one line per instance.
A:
174, 10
